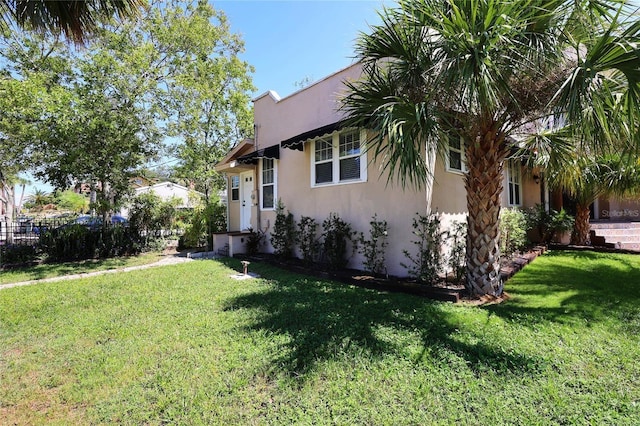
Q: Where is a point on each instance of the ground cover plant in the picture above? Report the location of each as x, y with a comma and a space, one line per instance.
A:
186, 344
52, 270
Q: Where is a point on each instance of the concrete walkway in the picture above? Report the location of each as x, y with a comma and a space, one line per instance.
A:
167, 260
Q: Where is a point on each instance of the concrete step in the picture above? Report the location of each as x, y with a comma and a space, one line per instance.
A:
627, 246
623, 235
615, 225
619, 236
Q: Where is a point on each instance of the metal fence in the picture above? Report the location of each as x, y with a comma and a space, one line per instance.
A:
27, 232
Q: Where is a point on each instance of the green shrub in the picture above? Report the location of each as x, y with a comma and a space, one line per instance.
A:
373, 249
548, 225
457, 237
205, 220
17, 253
77, 242
427, 263
283, 237
255, 240
336, 235
513, 231
307, 239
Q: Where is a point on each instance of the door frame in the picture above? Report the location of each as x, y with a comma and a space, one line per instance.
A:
246, 202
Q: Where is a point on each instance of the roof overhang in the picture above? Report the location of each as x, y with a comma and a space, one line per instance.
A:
272, 152
230, 164
297, 142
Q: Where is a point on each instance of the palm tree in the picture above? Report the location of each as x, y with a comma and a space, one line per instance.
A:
586, 178
482, 71
76, 19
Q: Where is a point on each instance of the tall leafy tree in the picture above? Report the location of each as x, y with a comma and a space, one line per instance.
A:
210, 101
481, 71
174, 72
193, 82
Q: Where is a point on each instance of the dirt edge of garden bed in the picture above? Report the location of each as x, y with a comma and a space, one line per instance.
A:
443, 291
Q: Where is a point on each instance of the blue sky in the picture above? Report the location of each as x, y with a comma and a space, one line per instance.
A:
290, 41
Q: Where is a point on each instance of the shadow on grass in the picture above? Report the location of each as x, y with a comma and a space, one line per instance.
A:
569, 287
323, 320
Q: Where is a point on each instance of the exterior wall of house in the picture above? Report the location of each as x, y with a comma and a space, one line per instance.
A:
357, 202
307, 109
618, 210
449, 195
530, 190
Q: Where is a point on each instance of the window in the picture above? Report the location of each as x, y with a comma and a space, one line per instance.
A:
235, 188
324, 161
514, 178
338, 159
349, 156
268, 183
455, 156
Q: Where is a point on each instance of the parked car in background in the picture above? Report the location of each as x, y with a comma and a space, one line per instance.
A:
94, 222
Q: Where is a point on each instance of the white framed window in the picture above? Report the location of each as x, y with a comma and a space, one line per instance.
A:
455, 155
338, 159
514, 181
235, 188
268, 183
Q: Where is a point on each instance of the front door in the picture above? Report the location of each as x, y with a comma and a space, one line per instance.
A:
246, 185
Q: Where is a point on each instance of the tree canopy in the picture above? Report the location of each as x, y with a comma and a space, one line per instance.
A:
97, 115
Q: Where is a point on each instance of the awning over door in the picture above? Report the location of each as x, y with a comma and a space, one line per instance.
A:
272, 151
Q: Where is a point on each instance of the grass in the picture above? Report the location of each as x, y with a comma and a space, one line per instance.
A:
186, 344
53, 270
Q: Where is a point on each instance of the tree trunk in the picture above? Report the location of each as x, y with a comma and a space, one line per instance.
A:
580, 234
483, 183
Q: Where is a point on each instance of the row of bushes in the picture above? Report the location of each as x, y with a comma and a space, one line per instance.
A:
150, 220
338, 241
435, 251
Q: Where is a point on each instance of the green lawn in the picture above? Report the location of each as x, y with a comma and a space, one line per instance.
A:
59, 269
186, 344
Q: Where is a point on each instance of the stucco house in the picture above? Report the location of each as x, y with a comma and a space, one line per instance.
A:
302, 155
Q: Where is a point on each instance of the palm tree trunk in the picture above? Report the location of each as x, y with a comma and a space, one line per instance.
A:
580, 234
483, 184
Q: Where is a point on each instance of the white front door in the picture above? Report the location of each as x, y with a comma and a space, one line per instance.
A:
246, 187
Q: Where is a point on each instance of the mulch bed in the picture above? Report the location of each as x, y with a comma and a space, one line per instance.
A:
443, 291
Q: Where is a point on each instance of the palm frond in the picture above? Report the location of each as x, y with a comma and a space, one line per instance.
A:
75, 19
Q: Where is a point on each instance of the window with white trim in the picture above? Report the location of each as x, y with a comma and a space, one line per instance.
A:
338, 159
268, 183
514, 179
455, 155
235, 188
324, 161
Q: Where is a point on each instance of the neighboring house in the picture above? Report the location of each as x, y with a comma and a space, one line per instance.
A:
303, 156
167, 191
141, 182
